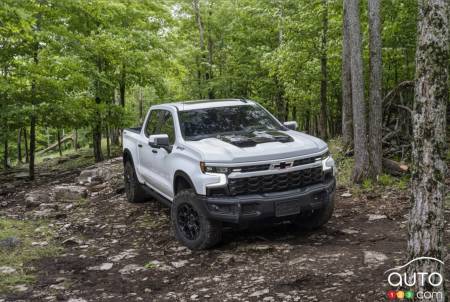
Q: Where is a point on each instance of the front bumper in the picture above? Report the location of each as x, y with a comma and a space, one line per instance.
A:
245, 208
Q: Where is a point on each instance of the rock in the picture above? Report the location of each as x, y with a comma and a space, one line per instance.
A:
346, 194
22, 175
72, 241
178, 264
9, 242
20, 288
269, 299
254, 247
259, 293
7, 270
372, 258
373, 217
127, 254
346, 273
40, 243
94, 175
57, 287
36, 198
102, 267
69, 193
76, 300
194, 297
349, 231
43, 214
131, 268
159, 265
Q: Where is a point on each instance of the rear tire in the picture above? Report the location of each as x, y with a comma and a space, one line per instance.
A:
133, 189
190, 224
317, 218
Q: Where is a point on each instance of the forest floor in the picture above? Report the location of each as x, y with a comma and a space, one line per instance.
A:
72, 242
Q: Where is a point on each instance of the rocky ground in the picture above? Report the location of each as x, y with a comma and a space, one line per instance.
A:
115, 251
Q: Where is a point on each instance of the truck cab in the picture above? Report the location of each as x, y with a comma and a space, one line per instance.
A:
227, 161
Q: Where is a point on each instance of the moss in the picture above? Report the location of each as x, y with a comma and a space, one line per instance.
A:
20, 256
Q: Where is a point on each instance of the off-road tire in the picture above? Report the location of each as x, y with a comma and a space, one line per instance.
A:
208, 232
133, 189
316, 219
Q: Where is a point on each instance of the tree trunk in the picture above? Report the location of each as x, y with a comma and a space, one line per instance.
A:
323, 67
33, 117
141, 106
75, 140
58, 133
202, 60
97, 135
375, 99
108, 145
426, 221
347, 111
209, 73
122, 83
360, 169
5, 151
19, 146
25, 140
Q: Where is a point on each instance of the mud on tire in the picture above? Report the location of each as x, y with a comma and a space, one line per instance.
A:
190, 224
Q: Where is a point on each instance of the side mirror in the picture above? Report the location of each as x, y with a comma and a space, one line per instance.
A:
291, 125
158, 141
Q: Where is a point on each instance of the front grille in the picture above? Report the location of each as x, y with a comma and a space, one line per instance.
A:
274, 182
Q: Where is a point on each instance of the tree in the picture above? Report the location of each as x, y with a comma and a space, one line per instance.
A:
426, 221
347, 110
323, 129
375, 101
360, 169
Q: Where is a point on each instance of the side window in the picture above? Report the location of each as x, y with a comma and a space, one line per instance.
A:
150, 127
166, 126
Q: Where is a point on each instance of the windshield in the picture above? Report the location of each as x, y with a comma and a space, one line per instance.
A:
211, 122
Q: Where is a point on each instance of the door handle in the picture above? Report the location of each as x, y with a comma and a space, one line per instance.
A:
139, 145
154, 151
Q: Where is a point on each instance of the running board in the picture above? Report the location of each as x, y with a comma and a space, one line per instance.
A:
157, 196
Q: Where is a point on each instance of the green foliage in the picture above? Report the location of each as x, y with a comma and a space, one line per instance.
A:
74, 63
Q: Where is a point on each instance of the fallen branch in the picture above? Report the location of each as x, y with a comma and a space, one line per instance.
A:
394, 168
53, 146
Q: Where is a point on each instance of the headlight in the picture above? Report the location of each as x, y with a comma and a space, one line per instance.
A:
213, 169
323, 156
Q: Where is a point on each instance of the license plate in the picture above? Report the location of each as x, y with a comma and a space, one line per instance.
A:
285, 208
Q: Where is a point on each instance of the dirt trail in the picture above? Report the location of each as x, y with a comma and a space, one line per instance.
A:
116, 251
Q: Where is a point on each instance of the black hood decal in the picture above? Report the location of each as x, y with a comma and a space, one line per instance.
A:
251, 139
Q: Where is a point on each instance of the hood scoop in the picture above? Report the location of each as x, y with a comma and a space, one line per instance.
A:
254, 138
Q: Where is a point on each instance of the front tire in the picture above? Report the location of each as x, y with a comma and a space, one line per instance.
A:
190, 224
133, 189
316, 219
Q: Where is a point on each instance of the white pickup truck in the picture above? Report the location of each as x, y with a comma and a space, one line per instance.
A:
216, 162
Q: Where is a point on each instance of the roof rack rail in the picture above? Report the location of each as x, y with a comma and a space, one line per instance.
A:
244, 100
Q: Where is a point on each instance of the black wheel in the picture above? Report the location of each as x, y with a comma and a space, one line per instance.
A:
133, 189
191, 226
317, 218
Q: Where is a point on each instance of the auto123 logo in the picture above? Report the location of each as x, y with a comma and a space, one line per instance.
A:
404, 283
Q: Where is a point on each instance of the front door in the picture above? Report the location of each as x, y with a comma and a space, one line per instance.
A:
154, 161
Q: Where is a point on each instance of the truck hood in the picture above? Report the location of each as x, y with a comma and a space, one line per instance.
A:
257, 146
